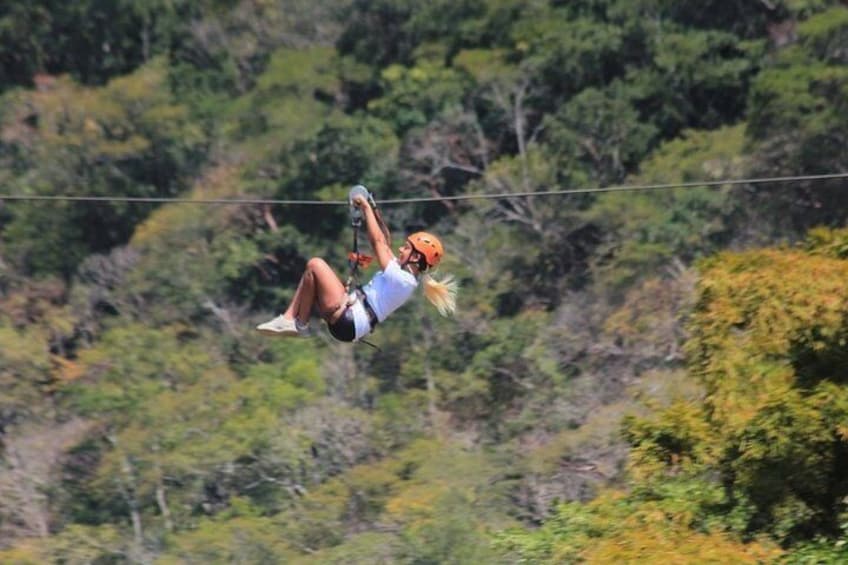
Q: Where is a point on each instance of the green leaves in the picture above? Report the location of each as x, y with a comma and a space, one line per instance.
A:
190, 438
694, 79
591, 53
760, 455
129, 138
616, 527
766, 348
601, 131
644, 230
292, 97
826, 34
131, 365
414, 96
797, 107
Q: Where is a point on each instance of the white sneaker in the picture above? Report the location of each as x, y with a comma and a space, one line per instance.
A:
282, 326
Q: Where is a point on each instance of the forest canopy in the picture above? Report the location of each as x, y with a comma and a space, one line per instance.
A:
630, 375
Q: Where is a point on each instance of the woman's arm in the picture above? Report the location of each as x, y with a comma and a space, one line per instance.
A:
375, 234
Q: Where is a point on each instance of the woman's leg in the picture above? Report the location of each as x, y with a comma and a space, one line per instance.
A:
319, 285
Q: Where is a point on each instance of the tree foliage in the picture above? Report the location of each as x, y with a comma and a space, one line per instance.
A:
130, 136
767, 350
640, 375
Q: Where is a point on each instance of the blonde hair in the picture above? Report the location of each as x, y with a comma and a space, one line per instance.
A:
441, 293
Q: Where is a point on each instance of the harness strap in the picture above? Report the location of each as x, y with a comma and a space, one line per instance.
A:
369, 310
366, 342
359, 296
353, 257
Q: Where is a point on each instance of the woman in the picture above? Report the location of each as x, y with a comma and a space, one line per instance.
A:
352, 316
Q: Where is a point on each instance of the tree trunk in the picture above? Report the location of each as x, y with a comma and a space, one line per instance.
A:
163, 506
161, 501
132, 502
519, 120
126, 488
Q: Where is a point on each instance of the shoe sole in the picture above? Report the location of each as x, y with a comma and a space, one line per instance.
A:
284, 333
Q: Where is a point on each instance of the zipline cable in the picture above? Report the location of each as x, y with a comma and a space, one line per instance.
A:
393, 201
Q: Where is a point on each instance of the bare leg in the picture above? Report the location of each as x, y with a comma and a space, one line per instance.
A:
319, 286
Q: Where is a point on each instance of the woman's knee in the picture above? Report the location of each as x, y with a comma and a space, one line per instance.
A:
316, 264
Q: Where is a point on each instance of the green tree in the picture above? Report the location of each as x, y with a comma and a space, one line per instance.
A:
693, 79
129, 138
767, 349
797, 124
292, 96
601, 131
92, 41
239, 535
24, 29
376, 32
620, 528
644, 231
345, 151
182, 433
412, 97
589, 54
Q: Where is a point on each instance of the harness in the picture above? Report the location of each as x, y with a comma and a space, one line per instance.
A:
369, 311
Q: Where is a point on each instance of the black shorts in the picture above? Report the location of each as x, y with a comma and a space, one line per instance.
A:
344, 329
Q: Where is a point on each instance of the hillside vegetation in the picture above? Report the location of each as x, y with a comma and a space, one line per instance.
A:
639, 376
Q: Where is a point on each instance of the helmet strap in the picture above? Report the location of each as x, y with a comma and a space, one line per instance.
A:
407, 266
421, 259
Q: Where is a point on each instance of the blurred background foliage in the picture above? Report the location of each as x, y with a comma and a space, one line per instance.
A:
629, 376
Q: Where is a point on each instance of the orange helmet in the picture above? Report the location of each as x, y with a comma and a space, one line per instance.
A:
427, 245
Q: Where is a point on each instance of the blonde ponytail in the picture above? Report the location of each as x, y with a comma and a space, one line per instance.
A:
441, 293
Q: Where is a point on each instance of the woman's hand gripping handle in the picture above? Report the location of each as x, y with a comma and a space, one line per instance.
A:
375, 233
